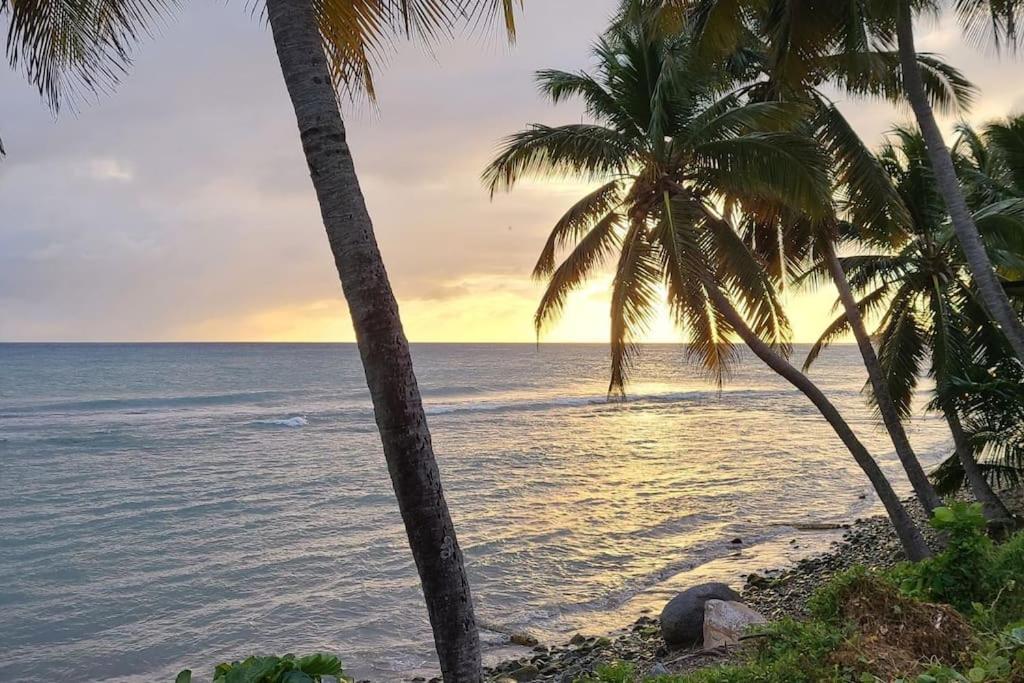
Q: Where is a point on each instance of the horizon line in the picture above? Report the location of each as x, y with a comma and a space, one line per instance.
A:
352, 343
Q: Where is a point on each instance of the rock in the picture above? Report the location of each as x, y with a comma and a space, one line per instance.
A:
577, 639
736, 541
658, 669
726, 620
524, 639
525, 673
682, 620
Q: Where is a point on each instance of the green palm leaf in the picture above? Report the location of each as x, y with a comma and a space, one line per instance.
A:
584, 151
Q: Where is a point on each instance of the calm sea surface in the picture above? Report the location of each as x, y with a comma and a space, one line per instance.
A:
164, 506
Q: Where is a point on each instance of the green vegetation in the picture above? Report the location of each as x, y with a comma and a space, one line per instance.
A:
956, 617
287, 669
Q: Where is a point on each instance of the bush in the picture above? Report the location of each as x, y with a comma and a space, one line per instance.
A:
287, 669
962, 575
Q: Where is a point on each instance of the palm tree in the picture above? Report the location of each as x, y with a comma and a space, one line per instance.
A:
321, 44
801, 34
670, 146
925, 293
868, 196
1001, 16
758, 56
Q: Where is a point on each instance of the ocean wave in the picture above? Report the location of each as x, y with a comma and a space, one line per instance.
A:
297, 421
138, 405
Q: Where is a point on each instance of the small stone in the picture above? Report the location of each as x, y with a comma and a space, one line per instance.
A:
736, 540
577, 639
658, 669
524, 639
525, 673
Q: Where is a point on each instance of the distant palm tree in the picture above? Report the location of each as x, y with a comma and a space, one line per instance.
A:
926, 295
671, 148
67, 45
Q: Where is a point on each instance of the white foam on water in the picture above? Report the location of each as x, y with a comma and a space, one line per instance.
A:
297, 421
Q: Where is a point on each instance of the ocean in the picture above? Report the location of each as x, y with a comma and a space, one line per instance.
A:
165, 506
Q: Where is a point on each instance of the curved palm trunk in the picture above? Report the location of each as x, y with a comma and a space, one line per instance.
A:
382, 343
913, 542
991, 291
890, 416
996, 513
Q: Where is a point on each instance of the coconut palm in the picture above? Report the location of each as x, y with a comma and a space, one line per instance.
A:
866, 193
65, 46
670, 146
1001, 17
774, 74
803, 34
926, 297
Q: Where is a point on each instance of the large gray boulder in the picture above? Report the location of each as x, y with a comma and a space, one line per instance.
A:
682, 620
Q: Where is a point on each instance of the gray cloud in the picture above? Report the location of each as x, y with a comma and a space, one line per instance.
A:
183, 196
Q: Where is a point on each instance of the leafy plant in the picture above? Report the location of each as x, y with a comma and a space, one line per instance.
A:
271, 669
962, 575
1000, 660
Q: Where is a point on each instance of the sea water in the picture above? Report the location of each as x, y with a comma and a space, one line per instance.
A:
165, 506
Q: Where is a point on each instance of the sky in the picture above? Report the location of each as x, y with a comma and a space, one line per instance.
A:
179, 207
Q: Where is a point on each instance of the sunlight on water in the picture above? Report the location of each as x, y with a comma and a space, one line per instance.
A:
164, 506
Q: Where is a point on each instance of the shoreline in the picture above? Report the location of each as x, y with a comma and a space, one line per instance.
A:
774, 592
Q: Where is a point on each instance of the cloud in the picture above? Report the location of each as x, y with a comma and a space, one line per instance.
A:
180, 206
110, 169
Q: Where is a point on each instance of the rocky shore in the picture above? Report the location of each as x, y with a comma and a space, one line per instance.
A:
870, 542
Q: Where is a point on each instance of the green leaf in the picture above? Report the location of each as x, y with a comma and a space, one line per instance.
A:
320, 664
942, 515
184, 677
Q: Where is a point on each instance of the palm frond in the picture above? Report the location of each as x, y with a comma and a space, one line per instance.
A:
590, 252
579, 218
584, 151
872, 200
634, 302
902, 350
998, 21
784, 167
683, 248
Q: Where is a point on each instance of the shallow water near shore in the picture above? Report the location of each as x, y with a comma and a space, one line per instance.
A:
164, 506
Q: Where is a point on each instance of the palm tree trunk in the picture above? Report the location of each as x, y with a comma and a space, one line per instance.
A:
991, 291
910, 536
381, 340
890, 416
995, 511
